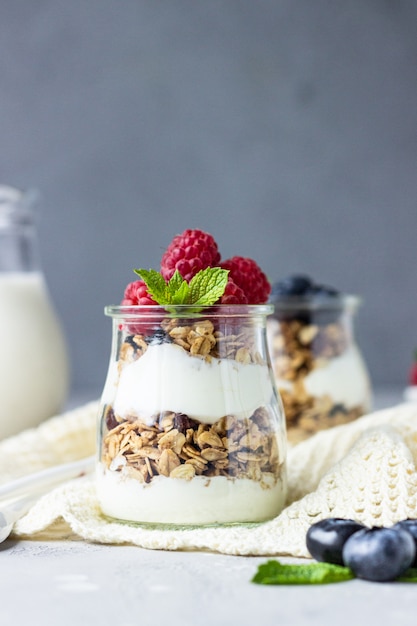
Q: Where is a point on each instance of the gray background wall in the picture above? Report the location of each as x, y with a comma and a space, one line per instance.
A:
285, 128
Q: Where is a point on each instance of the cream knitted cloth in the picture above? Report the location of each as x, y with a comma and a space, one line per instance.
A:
364, 470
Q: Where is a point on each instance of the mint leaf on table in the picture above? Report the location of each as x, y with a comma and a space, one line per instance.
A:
204, 289
409, 576
276, 573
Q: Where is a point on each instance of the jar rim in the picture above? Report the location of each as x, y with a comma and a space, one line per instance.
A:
16, 206
188, 310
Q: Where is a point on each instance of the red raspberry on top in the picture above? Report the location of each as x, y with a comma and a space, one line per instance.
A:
137, 293
247, 275
413, 371
190, 252
233, 294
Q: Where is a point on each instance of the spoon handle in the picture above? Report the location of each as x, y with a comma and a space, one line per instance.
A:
47, 478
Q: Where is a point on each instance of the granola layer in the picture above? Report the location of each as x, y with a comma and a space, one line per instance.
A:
300, 350
179, 447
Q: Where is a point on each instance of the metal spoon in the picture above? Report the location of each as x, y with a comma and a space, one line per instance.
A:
11, 513
21, 493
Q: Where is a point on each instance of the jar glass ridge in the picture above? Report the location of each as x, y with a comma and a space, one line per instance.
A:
192, 431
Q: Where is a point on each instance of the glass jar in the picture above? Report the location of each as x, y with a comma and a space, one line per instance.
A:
319, 370
191, 430
34, 369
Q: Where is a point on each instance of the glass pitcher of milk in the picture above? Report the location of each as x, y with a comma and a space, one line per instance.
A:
34, 371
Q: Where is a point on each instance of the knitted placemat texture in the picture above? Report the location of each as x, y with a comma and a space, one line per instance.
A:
364, 470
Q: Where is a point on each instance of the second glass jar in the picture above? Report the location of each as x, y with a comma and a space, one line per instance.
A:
319, 370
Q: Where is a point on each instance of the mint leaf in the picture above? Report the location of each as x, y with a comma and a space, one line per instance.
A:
176, 282
178, 289
208, 285
276, 573
409, 576
204, 289
156, 285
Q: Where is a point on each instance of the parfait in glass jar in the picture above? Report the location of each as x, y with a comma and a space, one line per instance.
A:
319, 370
192, 430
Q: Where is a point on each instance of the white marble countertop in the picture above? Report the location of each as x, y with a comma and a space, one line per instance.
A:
63, 583
70, 583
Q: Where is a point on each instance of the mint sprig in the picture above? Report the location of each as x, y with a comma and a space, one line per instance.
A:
276, 573
409, 576
316, 573
204, 289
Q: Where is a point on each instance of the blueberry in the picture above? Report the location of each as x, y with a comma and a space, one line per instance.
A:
323, 291
296, 285
379, 554
158, 337
325, 539
411, 526
301, 285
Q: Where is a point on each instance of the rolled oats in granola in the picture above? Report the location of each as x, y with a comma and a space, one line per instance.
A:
318, 368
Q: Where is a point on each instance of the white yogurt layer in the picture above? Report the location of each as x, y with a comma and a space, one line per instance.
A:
343, 378
167, 378
202, 500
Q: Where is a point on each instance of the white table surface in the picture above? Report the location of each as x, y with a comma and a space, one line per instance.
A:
63, 583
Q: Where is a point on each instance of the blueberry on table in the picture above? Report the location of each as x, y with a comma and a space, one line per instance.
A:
379, 554
325, 539
411, 526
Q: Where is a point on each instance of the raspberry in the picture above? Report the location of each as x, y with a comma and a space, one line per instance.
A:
137, 293
189, 253
233, 294
413, 371
247, 275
